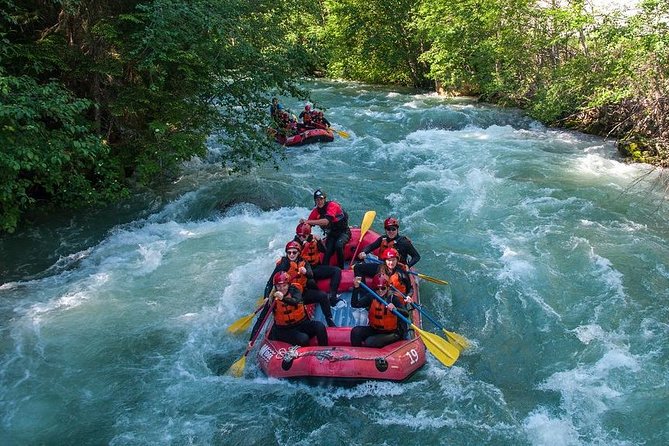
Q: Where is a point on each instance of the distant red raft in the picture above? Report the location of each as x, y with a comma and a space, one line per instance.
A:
340, 361
308, 136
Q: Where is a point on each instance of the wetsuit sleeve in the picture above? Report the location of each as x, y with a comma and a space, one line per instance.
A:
372, 246
411, 252
400, 306
294, 296
310, 271
314, 215
404, 276
280, 266
259, 319
359, 300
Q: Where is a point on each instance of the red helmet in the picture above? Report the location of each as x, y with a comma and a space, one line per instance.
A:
303, 230
293, 245
391, 221
307, 107
380, 281
281, 277
390, 253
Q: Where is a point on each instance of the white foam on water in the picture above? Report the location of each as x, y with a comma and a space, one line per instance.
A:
542, 429
588, 333
613, 279
587, 392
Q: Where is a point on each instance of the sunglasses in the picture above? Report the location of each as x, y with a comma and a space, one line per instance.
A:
391, 228
382, 288
292, 251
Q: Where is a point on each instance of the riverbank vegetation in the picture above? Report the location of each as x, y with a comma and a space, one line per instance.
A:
98, 97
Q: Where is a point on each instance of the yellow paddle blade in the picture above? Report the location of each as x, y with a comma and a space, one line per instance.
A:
237, 369
367, 221
458, 340
445, 352
342, 133
244, 323
432, 279
241, 324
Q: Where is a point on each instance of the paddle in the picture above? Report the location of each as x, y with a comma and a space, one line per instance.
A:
422, 276
237, 369
367, 221
445, 352
459, 341
243, 323
341, 133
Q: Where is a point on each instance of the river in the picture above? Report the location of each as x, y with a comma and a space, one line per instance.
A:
113, 324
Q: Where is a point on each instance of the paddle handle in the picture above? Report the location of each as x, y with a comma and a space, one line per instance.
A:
355, 253
426, 314
377, 297
420, 309
257, 333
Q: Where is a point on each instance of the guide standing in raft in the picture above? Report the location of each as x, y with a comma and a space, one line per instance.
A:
333, 220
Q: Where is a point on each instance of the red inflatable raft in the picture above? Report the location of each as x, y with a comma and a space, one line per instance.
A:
339, 361
308, 136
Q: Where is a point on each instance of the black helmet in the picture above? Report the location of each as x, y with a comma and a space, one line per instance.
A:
318, 194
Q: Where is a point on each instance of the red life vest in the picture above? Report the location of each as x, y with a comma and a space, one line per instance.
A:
380, 318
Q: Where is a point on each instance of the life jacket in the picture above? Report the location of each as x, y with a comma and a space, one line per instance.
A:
399, 243
286, 315
395, 280
306, 118
386, 243
294, 272
310, 252
380, 318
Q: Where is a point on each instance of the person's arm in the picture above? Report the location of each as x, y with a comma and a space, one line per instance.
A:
310, 272
411, 252
294, 296
259, 319
404, 276
270, 283
358, 301
371, 247
400, 306
322, 222
313, 219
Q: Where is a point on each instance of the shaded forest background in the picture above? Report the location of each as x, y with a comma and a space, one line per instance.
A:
98, 98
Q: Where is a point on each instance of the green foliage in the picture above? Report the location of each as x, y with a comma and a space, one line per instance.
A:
48, 150
374, 41
97, 93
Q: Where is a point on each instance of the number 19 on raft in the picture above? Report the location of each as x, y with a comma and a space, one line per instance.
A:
413, 356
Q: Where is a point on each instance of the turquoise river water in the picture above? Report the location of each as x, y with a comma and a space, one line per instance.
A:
113, 324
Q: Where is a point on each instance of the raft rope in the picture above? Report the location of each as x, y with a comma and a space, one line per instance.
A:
323, 355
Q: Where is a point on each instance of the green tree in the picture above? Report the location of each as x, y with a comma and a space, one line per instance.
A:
138, 87
374, 41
